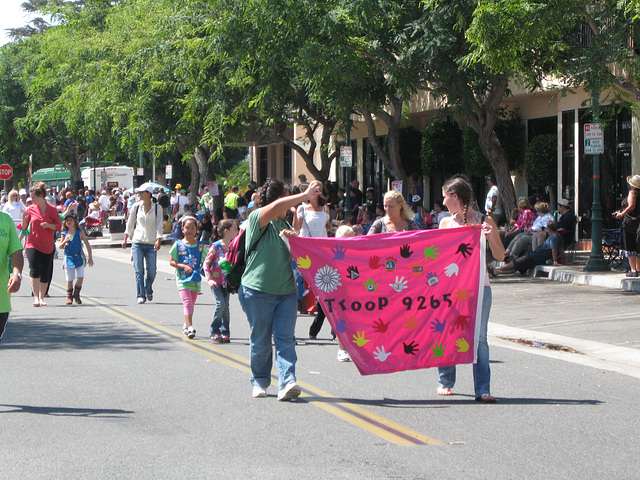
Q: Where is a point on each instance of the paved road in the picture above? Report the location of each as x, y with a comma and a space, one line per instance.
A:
111, 389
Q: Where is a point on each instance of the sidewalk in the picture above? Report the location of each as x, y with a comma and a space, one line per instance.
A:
113, 240
575, 273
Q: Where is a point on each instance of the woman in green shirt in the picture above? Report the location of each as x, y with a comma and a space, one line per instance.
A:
10, 266
268, 292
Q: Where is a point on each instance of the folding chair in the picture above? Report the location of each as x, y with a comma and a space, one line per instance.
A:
93, 227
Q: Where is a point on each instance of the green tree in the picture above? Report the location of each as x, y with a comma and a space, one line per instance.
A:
541, 161
583, 43
441, 147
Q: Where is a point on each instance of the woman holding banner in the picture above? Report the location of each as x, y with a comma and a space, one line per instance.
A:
458, 197
398, 215
268, 291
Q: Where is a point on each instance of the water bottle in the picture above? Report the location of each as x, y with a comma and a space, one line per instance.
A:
225, 265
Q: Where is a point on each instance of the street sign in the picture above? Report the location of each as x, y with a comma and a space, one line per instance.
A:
168, 172
6, 172
346, 157
140, 171
593, 139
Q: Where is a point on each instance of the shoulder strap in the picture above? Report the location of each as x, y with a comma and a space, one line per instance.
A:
134, 212
255, 245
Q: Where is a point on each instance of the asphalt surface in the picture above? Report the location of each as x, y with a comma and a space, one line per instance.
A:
111, 389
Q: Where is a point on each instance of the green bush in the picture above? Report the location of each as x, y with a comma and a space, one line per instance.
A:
541, 161
441, 147
475, 163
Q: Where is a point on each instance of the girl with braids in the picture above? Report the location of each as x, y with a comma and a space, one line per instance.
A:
268, 291
458, 198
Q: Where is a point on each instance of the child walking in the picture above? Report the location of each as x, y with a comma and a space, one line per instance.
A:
74, 259
214, 270
187, 256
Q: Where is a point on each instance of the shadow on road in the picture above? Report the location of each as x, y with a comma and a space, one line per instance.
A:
66, 412
37, 334
455, 399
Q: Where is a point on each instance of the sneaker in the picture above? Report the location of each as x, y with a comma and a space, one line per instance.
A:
289, 392
312, 337
217, 338
191, 332
150, 298
225, 338
141, 300
343, 356
259, 392
185, 330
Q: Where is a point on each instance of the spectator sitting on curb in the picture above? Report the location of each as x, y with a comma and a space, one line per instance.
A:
552, 248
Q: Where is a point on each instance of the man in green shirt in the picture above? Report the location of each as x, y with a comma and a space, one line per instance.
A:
205, 199
231, 203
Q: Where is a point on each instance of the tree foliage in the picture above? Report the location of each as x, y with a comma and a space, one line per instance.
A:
441, 147
541, 160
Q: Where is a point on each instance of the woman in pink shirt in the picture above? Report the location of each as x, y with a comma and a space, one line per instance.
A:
43, 221
526, 216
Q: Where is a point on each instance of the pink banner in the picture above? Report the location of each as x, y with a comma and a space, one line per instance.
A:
399, 301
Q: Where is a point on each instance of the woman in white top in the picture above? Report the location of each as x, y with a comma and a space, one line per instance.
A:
14, 207
144, 226
312, 218
458, 198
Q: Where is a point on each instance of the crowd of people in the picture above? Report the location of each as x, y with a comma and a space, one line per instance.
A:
271, 291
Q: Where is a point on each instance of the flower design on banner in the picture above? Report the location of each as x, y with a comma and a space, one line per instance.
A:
327, 279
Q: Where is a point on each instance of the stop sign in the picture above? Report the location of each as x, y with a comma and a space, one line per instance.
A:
6, 172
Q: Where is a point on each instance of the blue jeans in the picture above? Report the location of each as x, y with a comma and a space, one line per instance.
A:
481, 370
144, 252
269, 315
220, 323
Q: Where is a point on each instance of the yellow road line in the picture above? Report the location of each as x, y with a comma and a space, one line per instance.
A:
358, 416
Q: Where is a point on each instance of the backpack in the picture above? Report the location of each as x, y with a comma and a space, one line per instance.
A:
237, 257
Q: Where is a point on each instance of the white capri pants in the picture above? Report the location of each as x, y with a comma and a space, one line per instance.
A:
72, 273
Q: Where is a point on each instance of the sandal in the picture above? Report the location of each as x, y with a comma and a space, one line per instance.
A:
486, 398
444, 391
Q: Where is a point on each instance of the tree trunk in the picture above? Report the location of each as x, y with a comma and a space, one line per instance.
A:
194, 183
482, 118
328, 126
391, 160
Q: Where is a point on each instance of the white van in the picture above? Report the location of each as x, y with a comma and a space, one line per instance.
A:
108, 177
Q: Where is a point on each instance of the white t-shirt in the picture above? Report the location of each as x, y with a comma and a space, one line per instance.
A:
488, 204
182, 200
104, 202
14, 209
314, 224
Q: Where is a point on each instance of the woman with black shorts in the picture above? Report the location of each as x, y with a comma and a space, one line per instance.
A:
630, 215
43, 221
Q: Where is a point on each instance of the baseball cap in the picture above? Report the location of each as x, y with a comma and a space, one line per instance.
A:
23, 191
145, 187
564, 202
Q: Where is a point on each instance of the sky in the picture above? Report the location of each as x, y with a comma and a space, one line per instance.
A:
11, 16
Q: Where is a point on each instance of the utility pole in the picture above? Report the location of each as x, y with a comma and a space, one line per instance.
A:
596, 262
